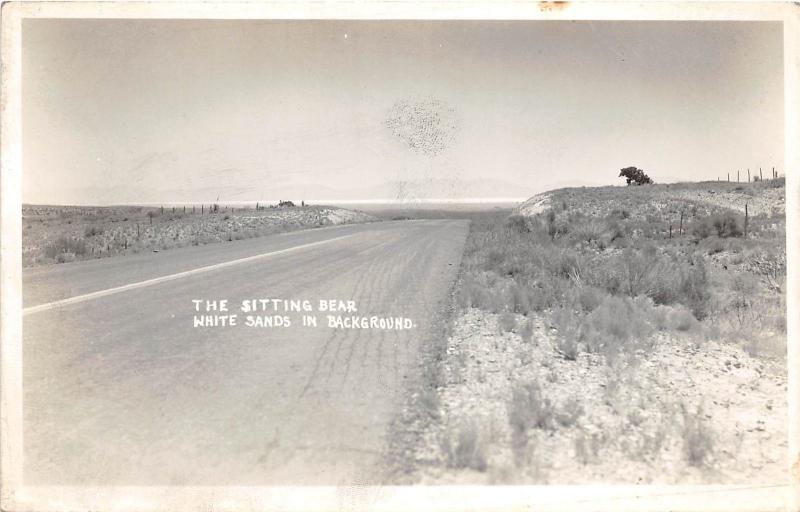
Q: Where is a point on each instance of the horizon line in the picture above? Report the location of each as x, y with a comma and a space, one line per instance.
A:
379, 201
309, 202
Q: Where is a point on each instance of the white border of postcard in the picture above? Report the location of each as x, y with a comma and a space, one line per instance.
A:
17, 496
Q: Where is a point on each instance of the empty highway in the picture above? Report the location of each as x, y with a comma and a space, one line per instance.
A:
121, 389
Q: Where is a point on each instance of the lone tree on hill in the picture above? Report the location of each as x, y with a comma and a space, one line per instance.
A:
635, 176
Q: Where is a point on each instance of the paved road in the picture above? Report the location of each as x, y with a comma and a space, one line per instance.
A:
120, 388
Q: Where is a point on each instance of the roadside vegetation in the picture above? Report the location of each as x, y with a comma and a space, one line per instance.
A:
613, 277
61, 234
624, 334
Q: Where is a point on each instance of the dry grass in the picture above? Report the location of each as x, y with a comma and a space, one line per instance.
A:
592, 273
616, 275
527, 410
58, 234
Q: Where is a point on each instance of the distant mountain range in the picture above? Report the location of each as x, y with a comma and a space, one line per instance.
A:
430, 190
438, 188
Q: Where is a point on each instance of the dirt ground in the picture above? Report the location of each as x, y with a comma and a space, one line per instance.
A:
630, 423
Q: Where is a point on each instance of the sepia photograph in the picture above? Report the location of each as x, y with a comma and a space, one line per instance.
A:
397, 253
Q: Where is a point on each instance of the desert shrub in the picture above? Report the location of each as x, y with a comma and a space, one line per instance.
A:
506, 322
665, 278
470, 293
698, 440
495, 260
548, 292
520, 268
518, 297
620, 213
567, 415
93, 231
744, 284
723, 225
550, 224
568, 332
615, 230
740, 306
587, 448
634, 272
65, 257
616, 323
528, 409
51, 251
716, 246
587, 230
726, 225
693, 287
467, 450
677, 318
775, 183
702, 228
566, 264
568, 347
65, 244
585, 298
519, 224
684, 282
735, 246
526, 332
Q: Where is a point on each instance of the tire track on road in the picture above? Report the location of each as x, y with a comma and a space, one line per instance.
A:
339, 334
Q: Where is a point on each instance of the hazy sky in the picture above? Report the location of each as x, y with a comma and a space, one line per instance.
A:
140, 110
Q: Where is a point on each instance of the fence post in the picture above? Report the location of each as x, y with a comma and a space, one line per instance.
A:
670, 230
680, 229
760, 176
737, 175
729, 177
746, 215
202, 208
748, 175
162, 209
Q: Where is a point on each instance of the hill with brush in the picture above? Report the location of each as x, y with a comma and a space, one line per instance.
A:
618, 334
